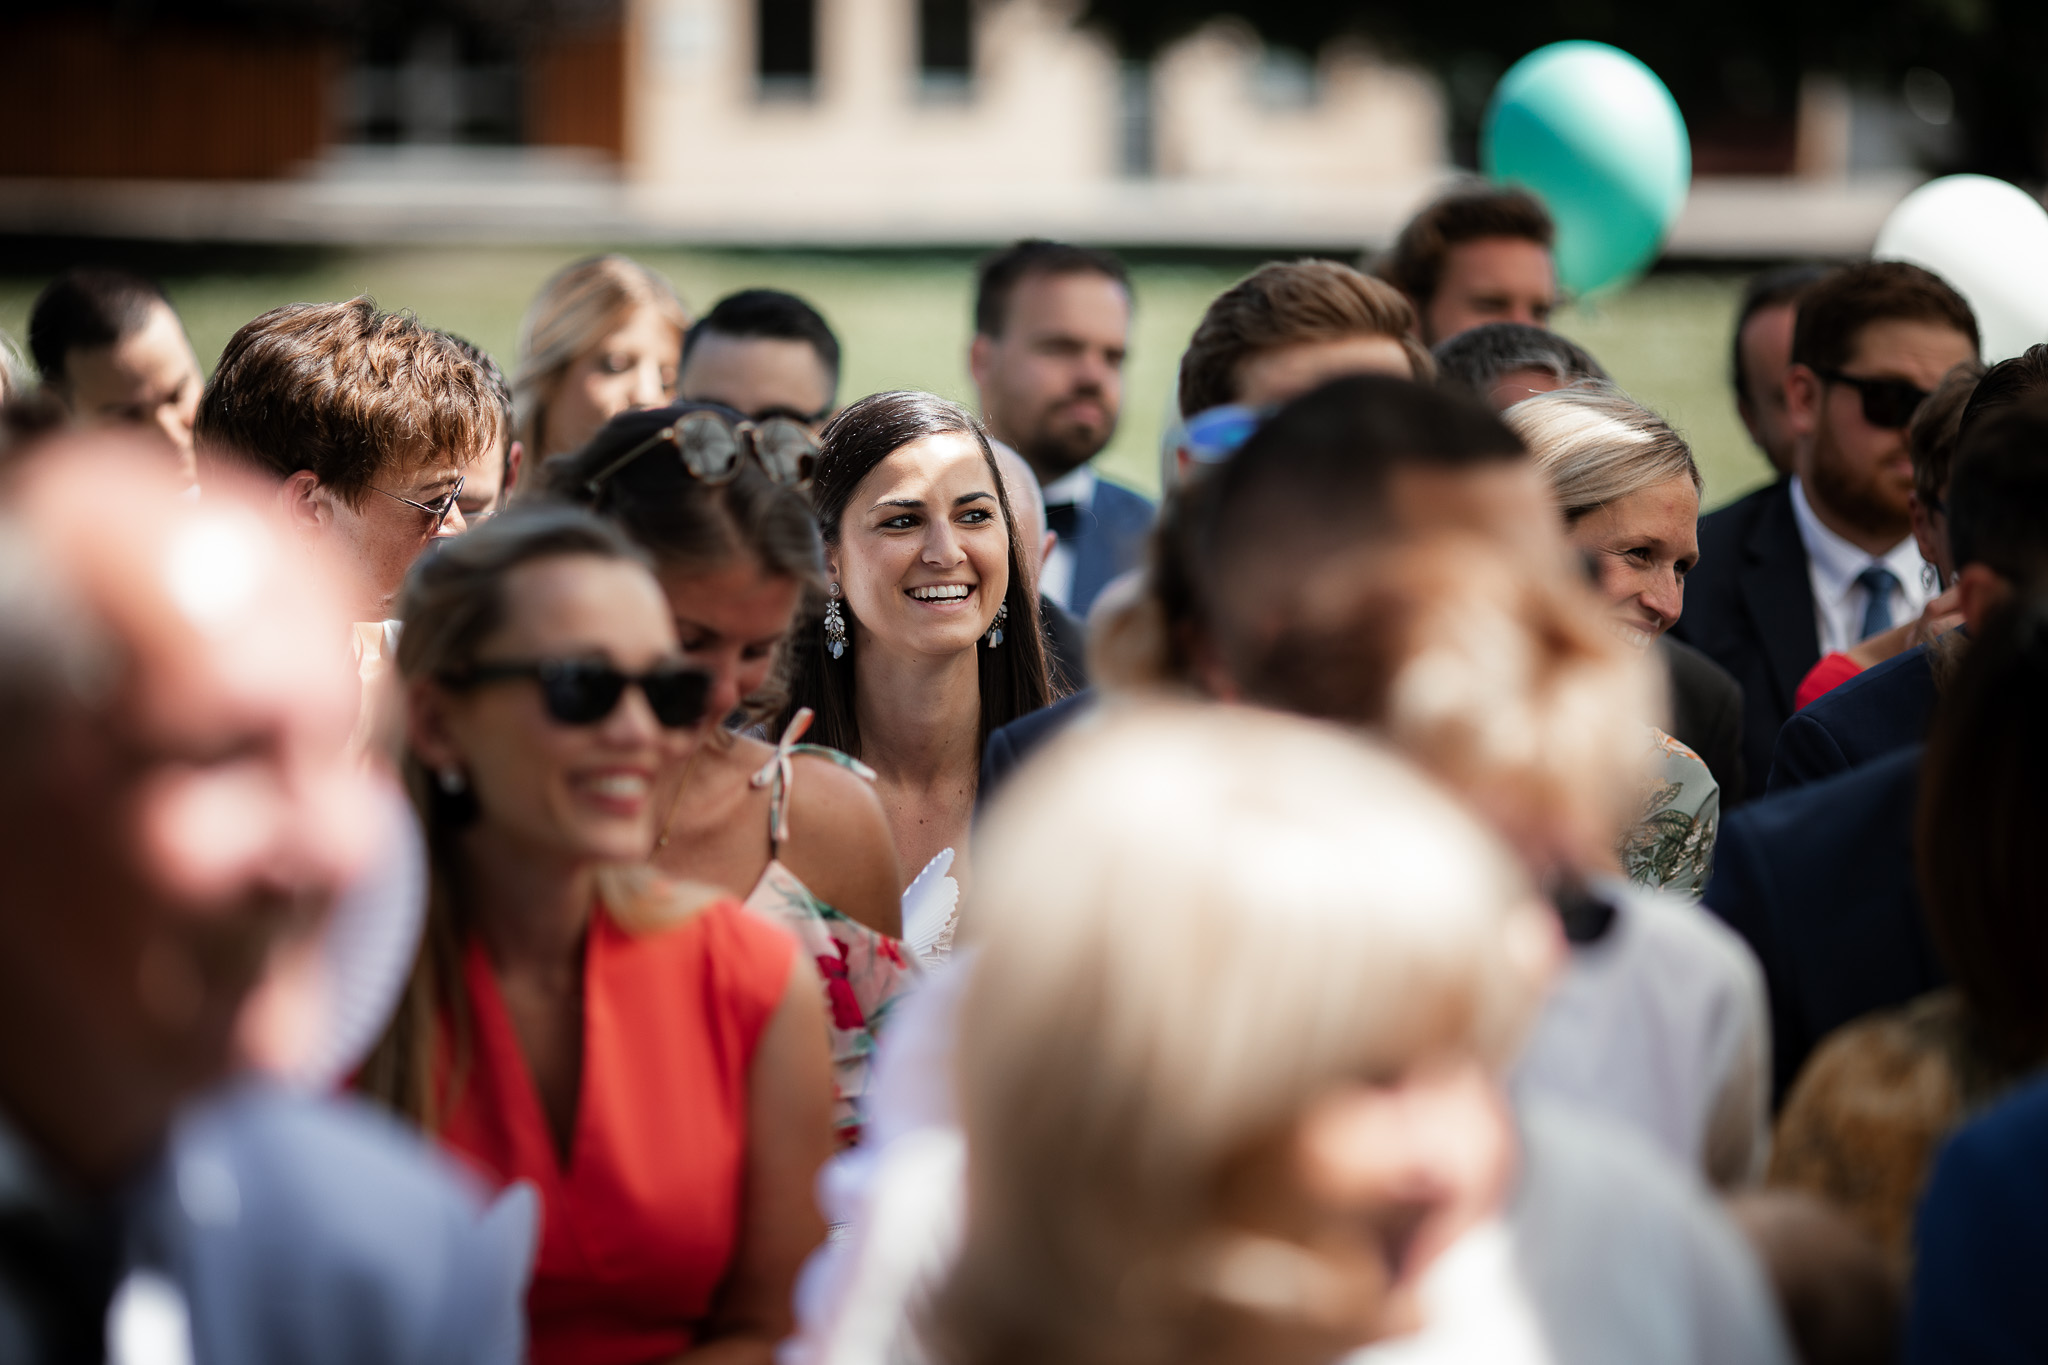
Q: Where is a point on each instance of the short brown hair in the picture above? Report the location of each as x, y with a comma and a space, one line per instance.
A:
1415, 265
1285, 303
1937, 426
1834, 311
346, 392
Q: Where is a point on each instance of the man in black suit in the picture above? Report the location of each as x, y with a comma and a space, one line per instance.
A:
1066, 635
177, 802
1051, 325
1993, 540
1821, 560
1819, 882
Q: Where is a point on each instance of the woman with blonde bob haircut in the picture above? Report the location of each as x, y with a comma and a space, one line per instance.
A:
603, 336
1224, 1097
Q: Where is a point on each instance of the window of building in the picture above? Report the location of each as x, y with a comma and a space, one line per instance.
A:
945, 47
786, 47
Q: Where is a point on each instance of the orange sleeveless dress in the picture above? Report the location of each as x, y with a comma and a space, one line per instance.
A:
639, 1228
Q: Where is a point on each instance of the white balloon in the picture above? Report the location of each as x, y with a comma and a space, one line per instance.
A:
1990, 240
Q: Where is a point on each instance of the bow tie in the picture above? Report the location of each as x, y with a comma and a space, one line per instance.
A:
1063, 519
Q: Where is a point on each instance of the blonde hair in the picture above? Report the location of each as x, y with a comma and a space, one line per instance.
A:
1595, 445
1248, 911
1503, 681
574, 310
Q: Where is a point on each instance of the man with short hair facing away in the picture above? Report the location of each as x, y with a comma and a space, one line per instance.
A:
1051, 326
1761, 353
364, 420
766, 354
1473, 256
111, 350
1822, 560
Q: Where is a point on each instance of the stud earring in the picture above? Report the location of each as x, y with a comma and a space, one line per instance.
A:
995, 627
835, 624
452, 781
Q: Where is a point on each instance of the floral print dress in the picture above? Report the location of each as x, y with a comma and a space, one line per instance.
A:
1671, 845
864, 973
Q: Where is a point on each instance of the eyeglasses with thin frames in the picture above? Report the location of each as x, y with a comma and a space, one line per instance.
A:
439, 510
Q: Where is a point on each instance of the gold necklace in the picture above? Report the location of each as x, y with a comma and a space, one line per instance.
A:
675, 803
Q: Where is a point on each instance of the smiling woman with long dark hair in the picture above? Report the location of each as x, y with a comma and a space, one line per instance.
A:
930, 634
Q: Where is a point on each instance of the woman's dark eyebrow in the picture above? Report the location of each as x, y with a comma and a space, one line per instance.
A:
912, 503
965, 498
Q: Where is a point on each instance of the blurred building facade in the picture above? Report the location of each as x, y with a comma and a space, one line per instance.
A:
847, 122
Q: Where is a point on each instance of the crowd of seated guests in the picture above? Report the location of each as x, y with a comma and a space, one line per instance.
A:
540, 852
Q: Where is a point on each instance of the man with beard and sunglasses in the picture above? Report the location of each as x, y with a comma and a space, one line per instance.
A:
1819, 561
1051, 325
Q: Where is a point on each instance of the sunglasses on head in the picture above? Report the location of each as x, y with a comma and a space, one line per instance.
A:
1213, 436
710, 446
1887, 403
585, 691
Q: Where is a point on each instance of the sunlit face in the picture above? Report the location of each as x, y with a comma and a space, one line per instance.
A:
731, 622
1856, 472
1269, 378
384, 533
759, 376
1052, 382
1374, 1181
1765, 345
175, 831
633, 366
483, 487
1491, 279
923, 553
1641, 547
148, 378
580, 792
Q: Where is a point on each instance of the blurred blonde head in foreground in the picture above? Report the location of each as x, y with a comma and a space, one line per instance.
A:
1229, 1064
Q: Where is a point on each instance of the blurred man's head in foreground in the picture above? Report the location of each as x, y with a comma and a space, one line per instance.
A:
175, 797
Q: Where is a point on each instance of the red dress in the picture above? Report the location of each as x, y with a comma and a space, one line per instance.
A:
639, 1229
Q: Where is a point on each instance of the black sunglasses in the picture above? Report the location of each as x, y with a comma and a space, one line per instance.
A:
1887, 403
584, 691
710, 446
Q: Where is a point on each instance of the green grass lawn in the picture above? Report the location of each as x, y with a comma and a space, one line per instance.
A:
905, 321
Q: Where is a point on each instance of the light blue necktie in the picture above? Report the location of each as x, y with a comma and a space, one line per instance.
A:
1877, 583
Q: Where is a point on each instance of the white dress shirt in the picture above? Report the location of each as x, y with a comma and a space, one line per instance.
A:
1056, 579
1832, 565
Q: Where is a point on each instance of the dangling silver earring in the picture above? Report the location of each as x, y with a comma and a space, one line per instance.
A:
835, 624
995, 627
452, 781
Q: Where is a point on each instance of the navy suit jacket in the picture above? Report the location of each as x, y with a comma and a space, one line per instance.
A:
1010, 745
1980, 1241
1879, 711
1108, 540
1749, 608
1820, 882
318, 1231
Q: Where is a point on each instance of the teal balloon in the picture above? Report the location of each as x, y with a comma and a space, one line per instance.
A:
1600, 140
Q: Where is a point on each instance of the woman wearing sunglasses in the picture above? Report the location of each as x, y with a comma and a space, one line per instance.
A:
651, 1062
930, 637
793, 828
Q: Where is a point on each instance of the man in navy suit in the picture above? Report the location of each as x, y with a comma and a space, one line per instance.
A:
1997, 532
1818, 561
1819, 882
178, 802
1051, 325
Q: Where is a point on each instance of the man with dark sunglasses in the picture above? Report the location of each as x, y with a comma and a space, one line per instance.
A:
1821, 560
